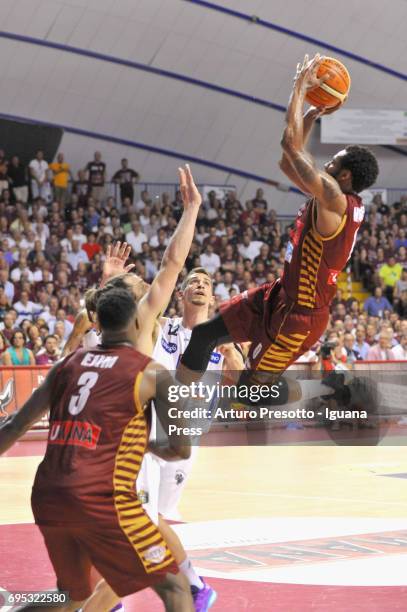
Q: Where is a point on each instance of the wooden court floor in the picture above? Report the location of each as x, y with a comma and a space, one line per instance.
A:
245, 482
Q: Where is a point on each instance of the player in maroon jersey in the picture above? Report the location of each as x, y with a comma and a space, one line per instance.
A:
84, 499
282, 320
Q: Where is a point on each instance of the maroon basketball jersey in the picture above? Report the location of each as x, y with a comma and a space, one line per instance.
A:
97, 436
312, 262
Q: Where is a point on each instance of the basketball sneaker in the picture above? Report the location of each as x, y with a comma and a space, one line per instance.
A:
203, 598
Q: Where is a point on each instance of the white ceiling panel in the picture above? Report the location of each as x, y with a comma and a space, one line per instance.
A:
62, 28
199, 43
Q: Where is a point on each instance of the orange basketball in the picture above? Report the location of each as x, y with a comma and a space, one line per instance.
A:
335, 89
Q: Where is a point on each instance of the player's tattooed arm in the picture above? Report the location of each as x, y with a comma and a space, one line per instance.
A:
33, 409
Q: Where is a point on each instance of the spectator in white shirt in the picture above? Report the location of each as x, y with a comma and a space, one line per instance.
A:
145, 216
25, 308
223, 289
61, 316
66, 243
159, 240
28, 240
40, 185
77, 255
8, 286
400, 350
250, 248
42, 231
22, 269
78, 234
136, 237
209, 260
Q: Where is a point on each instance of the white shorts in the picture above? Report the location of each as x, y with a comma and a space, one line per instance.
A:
147, 485
173, 478
161, 483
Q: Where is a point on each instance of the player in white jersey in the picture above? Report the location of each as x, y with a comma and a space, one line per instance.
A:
197, 298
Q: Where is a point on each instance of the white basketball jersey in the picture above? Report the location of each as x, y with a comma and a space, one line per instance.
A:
172, 341
91, 339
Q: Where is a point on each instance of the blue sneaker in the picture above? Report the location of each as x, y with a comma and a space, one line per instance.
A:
203, 598
118, 608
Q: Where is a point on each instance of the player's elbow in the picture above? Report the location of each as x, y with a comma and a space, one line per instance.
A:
287, 142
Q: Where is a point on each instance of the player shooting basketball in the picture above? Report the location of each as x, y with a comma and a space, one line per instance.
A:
285, 318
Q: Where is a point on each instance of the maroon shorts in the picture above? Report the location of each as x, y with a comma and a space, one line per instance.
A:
73, 550
279, 330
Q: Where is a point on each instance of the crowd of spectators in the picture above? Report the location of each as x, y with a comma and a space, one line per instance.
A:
55, 228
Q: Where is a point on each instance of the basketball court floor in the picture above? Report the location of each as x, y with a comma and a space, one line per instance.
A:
274, 528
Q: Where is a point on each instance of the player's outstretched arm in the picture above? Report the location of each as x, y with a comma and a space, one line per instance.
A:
156, 299
158, 384
115, 262
81, 326
316, 182
30, 413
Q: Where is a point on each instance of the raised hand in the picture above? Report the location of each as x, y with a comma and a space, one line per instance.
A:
306, 74
115, 262
189, 192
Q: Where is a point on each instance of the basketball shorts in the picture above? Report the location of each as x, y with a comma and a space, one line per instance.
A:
279, 330
173, 478
129, 557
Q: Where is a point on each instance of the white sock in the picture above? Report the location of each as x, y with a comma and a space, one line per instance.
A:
314, 388
188, 571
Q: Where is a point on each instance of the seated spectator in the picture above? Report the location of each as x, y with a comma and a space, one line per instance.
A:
50, 353
210, 260
3, 346
360, 345
249, 249
376, 305
34, 339
381, 351
390, 273
352, 354
77, 255
400, 350
25, 308
91, 247
223, 289
17, 354
136, 237
61, 318
8, 325
401, 284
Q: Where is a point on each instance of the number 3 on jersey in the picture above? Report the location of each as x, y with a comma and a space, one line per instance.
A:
85, 383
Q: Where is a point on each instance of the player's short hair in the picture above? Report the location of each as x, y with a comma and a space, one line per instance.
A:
90, 302
363, 166
120, 281
194, 271
115, 307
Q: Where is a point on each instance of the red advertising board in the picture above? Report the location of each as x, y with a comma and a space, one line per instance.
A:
16, 386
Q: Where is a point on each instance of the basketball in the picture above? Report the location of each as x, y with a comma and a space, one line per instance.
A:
335, 89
